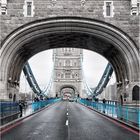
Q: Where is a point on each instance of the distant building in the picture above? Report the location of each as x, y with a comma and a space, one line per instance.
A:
67, 74
109, 93
26, 96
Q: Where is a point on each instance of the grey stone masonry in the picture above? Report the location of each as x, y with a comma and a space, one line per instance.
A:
67, 71
93, 9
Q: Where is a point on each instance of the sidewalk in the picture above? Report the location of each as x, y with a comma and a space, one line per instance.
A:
28, 112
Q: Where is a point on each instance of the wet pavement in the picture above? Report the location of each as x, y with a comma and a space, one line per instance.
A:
68, 121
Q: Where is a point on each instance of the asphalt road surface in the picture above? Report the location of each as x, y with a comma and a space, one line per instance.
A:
68, 121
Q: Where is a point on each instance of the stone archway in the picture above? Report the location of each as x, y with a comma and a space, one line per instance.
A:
136, 93
67, 91
77, 32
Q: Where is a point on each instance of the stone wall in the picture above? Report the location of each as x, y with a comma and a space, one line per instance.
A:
82, 8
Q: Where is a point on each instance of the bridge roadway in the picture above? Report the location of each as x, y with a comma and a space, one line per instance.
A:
68, 121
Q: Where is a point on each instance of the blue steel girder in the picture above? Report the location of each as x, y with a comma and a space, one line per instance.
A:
31, 79
104, 80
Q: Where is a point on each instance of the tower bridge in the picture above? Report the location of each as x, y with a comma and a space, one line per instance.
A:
109, 28
67, 70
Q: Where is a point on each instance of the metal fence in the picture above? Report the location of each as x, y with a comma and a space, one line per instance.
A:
41, 104
125, 113
8, 109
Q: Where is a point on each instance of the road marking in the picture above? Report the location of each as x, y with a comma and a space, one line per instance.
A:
67, 122
67, 109
67, 113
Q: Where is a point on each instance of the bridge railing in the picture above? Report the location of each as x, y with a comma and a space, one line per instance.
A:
41, 104
128, 114
10, 110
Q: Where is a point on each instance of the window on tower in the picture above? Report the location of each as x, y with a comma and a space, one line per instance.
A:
67, 75
73, 76
67, 62
62, 76
58, 75
68, 51
108, 9
28, 8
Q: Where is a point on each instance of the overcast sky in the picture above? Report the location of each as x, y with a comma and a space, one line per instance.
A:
42, 66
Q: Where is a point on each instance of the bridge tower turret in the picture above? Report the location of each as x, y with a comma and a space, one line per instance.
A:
67, 71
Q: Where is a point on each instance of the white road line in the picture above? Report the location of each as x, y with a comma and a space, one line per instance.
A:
67, 109
67, 122
67, 113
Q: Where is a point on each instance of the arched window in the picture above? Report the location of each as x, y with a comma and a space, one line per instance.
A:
62, 76
67, 62
136, 93
73, 76
67, 75
76, 74
58, 74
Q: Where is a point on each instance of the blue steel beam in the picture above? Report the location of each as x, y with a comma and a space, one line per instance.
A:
31, 79
104, 80
98, 90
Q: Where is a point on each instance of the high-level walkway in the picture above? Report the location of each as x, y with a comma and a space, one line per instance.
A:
68, 121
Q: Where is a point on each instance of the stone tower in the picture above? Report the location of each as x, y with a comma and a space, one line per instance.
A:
67, 72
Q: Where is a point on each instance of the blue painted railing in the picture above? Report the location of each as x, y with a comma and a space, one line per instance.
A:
8, 108
126, 113
41, 104
11, 108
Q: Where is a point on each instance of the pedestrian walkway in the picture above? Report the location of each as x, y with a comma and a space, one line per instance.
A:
130, 115
13, 110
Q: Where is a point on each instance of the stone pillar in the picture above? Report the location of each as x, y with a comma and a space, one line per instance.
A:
126, 91
3, 91
8, 90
